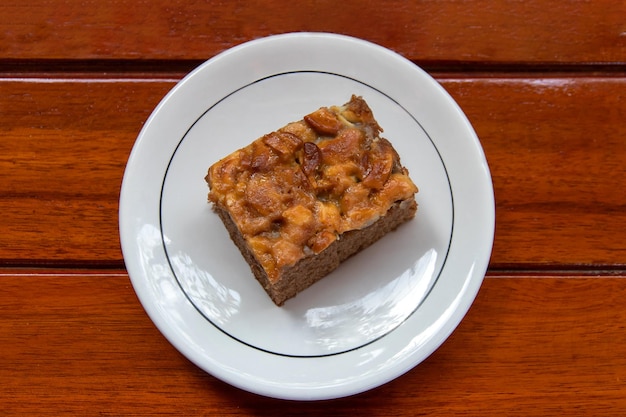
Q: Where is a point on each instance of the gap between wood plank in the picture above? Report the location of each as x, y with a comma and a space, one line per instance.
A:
118, 268
166, 69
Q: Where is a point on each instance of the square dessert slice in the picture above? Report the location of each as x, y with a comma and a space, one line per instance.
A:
300, 200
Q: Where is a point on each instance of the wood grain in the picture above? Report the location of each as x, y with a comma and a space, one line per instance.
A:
555, 146
63, 149
429, 31
557, 151
529, 346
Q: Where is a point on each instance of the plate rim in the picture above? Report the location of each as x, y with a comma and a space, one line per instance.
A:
239, 338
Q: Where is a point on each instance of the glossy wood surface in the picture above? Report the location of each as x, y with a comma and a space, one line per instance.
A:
544, 85
531, 345
441, 31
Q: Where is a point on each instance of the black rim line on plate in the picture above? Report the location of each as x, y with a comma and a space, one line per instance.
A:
237, 338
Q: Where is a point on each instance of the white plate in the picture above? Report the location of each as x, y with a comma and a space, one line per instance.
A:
378, 315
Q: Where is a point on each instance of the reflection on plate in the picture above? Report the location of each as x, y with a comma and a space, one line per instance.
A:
379, 314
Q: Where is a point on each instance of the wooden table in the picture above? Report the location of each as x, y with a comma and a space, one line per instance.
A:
544, 84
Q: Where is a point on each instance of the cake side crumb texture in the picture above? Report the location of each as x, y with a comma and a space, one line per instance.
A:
300, 200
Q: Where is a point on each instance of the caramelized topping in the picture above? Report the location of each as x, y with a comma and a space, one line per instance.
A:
324, 122
294, 191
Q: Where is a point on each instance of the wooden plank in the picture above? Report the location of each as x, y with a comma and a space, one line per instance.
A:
79, 343
428, 31
555, 146
63, 150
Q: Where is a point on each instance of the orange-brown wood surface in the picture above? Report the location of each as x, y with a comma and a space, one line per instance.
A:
556, 147
80, 343
482, 31
544, 85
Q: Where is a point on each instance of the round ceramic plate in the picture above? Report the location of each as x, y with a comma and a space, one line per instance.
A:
381, 312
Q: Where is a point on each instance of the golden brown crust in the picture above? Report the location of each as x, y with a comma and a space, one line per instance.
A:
294, 192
